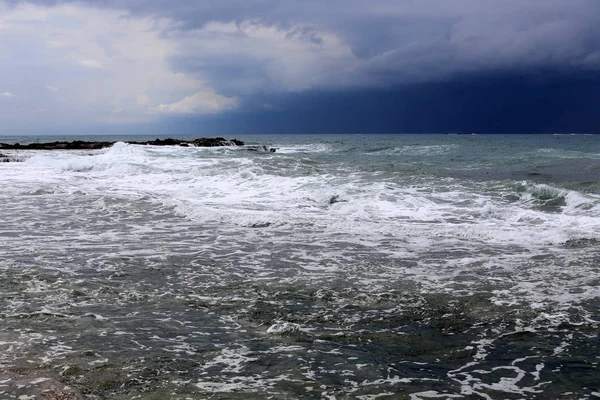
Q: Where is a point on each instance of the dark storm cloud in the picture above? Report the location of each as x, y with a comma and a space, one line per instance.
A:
352, 65
402, 41
480, 103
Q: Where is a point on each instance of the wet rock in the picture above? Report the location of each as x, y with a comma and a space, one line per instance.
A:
216, 142
261, 225
159, 142
83, 145
336, 199
75, 145
581, 242
261, 148
6, 158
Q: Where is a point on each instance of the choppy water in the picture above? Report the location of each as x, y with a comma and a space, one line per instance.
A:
437, 266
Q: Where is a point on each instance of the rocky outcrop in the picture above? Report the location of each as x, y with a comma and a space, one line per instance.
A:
83, 145
75, 145
202, 142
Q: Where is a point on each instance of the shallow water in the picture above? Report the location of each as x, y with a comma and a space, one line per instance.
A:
342, 266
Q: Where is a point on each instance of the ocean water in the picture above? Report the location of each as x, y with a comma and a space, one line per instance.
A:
339, 267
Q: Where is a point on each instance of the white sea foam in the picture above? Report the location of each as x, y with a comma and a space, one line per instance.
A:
283, 328
304, 148
244, 191
227, 178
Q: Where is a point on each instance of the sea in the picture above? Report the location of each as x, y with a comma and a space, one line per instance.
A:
338, 267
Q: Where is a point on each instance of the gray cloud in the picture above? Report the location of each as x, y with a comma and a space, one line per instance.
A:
392, 41
406, 41
212, 56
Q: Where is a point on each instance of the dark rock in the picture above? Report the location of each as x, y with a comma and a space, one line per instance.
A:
75, 145
257, 148
158, 142
581, 243
336, 199
260, 148
261, 225
216, 142
5, 158
82, 145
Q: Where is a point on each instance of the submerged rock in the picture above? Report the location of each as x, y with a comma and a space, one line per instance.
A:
581, 242
261, 148
261, 225
5, 158
336, 199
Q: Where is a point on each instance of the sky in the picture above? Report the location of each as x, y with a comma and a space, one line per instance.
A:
307, 66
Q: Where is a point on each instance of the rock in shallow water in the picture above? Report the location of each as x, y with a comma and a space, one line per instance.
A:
83, 145
5, 158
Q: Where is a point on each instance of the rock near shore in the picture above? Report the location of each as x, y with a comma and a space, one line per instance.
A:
83, 145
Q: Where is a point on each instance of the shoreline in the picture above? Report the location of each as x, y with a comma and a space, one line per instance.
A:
96, 145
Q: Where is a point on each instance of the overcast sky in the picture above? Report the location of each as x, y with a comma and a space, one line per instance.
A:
252, 66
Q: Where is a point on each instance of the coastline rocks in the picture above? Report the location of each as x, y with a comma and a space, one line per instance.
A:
83, 145
75, 145
202, 142
208, 142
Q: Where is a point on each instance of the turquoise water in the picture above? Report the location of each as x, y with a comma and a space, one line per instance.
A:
341, 266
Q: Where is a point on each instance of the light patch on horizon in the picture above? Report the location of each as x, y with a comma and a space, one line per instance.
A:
7, 94
52, 88
206, 102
